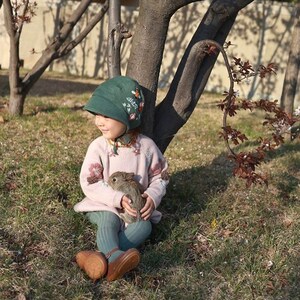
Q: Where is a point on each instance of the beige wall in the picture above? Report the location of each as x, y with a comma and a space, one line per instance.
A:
261, 34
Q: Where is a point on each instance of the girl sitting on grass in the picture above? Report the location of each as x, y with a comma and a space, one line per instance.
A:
117, 105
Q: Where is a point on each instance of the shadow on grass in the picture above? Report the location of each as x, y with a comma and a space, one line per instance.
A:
292, 290
190, 191
48, 87
47, 109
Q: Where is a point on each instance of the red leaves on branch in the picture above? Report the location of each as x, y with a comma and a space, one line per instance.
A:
228, 104
277, 121
269, 69
245, 167
242, 70
279, 124
233, 135
23, 11
211, 50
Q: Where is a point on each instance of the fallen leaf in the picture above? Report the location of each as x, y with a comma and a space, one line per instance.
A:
214, 223
226, 233
287, 222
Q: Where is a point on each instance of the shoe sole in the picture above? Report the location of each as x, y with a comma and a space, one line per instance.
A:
129, 263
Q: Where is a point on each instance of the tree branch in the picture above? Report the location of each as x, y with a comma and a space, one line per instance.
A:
52, 50
23, 15
193, 71
68, 26
67, 47
114, 39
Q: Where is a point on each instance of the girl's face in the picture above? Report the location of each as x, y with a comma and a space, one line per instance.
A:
110, 128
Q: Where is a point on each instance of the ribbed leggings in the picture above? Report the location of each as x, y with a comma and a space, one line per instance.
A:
110, 234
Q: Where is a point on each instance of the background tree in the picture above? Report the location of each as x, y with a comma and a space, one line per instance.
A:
160, 122
16, 14
292, 71
145, 58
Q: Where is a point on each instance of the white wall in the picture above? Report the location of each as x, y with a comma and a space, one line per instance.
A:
261, 34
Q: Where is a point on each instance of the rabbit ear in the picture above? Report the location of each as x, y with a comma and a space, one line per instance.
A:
129, 176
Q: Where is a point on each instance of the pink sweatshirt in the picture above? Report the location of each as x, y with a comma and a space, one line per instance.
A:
143, 158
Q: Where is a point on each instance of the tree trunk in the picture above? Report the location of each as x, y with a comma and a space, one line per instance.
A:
57, 48
163, 122
193, 71
292, 70
16, 101
114, 38
147, 50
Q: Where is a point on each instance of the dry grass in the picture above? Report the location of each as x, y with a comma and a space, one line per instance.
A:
217, 240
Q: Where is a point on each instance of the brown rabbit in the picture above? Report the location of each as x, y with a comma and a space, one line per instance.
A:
124, 182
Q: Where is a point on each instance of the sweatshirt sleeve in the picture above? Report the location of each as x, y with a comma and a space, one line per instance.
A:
91, 179
158, 176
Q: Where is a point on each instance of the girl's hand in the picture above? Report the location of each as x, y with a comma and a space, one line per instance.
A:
148, 209
125, 203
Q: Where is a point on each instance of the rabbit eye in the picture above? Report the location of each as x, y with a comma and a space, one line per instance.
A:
114, 179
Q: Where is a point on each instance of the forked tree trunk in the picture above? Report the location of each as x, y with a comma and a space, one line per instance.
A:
193, 71
57, 48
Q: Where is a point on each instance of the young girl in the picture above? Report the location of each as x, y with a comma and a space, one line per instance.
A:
117, 105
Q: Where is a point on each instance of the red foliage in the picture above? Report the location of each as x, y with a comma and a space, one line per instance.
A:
246, 163
23, 11
278, 121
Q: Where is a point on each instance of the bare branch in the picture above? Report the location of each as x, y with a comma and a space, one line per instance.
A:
51, 52
68, 26
67, 47
23, 15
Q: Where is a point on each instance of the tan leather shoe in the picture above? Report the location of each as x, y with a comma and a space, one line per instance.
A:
123, 264
93, 263
81, 257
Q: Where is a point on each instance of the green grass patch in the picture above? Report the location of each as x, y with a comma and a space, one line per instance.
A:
217, 239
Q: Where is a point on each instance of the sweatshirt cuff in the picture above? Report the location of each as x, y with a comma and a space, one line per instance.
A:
155, 199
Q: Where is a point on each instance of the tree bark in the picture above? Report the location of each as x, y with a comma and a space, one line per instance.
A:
193, 71
147, 50
292, 70
114, 38
16, 89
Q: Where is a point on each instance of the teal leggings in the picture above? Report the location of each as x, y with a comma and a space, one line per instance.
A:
110, 234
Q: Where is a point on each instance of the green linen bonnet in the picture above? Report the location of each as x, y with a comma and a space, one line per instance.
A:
119, 98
